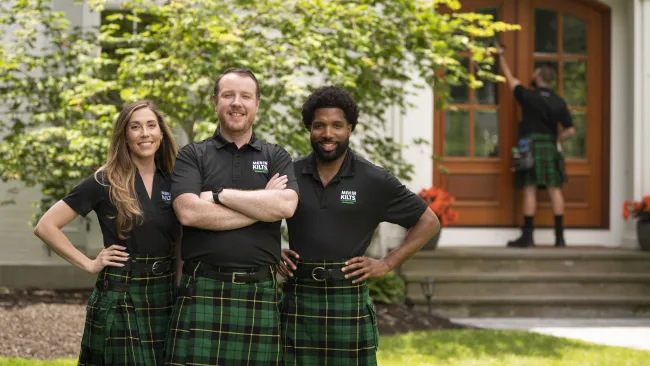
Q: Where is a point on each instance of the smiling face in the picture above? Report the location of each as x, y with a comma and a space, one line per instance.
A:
330, 134
143, 134
236, 104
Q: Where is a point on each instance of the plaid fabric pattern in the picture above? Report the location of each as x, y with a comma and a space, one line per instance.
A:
548, 170
329, 322
222, 323
128, 328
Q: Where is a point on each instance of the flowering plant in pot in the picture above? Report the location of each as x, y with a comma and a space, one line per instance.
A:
440, 201
640, 210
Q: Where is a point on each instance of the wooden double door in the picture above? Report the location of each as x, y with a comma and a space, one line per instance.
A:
475, 140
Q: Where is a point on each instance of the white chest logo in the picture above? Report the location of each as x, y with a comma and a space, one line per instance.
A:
261, 166
166, 196
349, 197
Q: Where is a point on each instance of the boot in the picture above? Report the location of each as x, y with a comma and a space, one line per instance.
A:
524, 241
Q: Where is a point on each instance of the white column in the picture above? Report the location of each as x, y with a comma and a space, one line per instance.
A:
641, 122
642, 182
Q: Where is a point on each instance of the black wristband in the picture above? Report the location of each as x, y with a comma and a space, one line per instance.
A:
215, 195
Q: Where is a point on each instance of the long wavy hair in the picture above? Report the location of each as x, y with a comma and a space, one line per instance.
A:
119, 172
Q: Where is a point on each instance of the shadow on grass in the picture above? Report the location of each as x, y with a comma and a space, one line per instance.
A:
477, 344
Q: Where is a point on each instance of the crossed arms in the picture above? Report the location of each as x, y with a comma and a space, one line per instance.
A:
238, 208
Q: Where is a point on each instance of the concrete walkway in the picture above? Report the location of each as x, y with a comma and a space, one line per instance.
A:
632, 333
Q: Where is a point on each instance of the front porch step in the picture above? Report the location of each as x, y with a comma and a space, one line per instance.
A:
536, 282
538, 306
530, 284
491, 260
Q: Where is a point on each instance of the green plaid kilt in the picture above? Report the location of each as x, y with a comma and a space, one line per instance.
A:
222, 323
330, 322
549, 167
128, 328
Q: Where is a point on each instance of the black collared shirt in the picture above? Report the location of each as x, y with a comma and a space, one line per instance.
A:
160, 227
541, 109
214, 162
338, 221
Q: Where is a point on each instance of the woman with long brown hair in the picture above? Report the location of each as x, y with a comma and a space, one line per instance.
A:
128, 312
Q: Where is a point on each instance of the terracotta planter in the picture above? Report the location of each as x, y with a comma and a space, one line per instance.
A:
643, 232
432, 244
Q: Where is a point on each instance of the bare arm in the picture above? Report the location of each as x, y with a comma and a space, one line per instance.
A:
49, 231
426, 227
178, 258
512, 81
264, 205
566, 133
195, 212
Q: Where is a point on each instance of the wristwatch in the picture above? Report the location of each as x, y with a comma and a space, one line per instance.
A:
215, 195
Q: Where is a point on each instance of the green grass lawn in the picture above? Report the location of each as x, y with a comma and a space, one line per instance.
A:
475, 348
493, 347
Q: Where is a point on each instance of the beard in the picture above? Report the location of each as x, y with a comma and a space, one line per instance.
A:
235, 125
329, 156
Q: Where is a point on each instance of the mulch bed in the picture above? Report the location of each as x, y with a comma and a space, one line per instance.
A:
49, 324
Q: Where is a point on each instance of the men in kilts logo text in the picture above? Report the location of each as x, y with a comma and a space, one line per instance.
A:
327, 317
128, 312
230, 192
541, 109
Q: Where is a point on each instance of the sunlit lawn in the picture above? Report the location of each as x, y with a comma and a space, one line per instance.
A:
490, 347
476, 348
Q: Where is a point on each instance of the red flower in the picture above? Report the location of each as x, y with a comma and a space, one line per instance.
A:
440, 202
636, 208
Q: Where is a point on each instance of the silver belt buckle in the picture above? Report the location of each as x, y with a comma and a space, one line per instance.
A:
313, 274
238, 273
154, 266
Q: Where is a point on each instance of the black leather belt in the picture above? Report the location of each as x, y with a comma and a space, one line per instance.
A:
106, 285
156, 268
226, 274
318, 273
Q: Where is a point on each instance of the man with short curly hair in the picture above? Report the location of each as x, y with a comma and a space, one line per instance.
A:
327, 316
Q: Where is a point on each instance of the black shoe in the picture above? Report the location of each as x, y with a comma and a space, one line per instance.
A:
559, 243
524, 241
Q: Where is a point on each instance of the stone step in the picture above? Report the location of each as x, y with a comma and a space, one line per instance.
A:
494, 260
538, 306
541, 284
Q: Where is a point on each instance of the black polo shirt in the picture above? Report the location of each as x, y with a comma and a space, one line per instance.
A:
158, 231
215, 162
541, 110
338, 221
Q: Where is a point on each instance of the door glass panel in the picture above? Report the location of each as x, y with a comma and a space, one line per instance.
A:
460, 93
576, 145
457, 133
575, 35
553, 64
574, 83
545, 31
488, 93
486, 133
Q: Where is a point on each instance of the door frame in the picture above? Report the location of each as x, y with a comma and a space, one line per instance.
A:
515, 12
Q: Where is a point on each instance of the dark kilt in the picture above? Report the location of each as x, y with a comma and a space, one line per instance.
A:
549, 166
128, 328
222, 323
329, 322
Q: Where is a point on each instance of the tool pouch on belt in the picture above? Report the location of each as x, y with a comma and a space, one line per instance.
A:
523, 158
